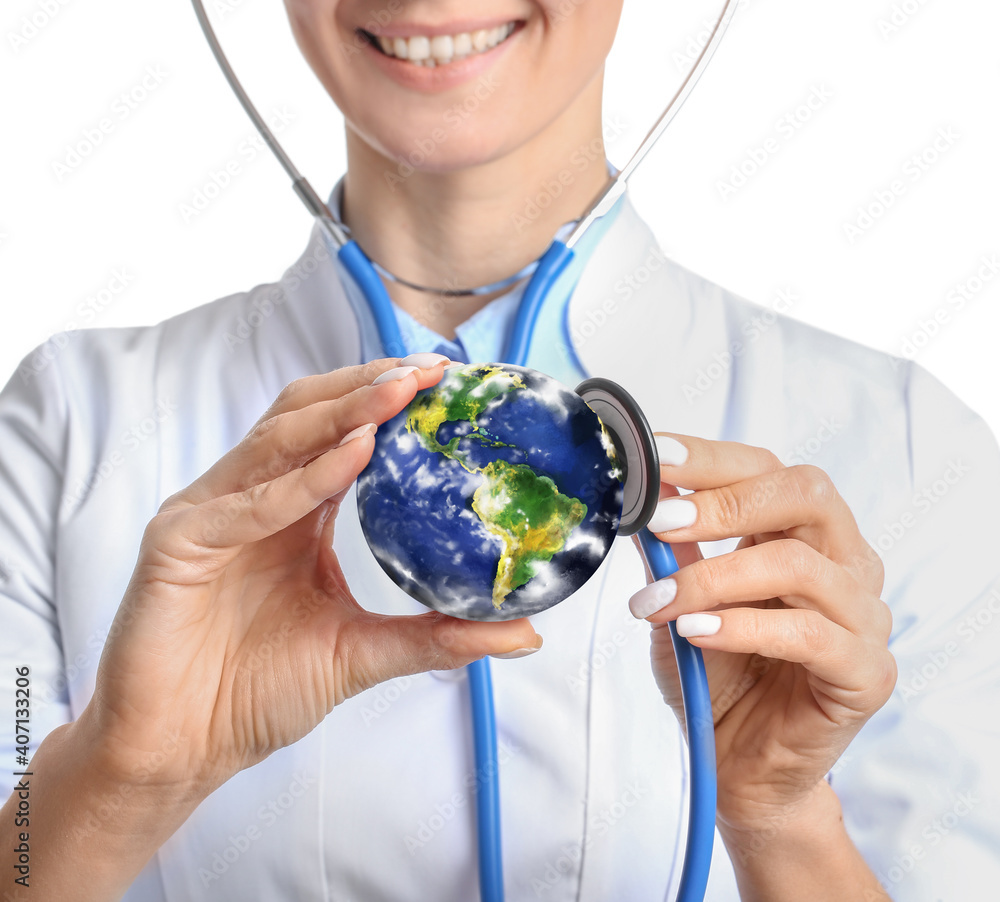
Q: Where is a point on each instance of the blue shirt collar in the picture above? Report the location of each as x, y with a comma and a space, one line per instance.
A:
479, 339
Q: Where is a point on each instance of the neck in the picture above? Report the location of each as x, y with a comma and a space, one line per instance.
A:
473, 225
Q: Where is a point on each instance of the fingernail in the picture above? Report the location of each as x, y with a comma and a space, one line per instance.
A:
672, 513
692, 625
670, 451
652, 598
357, 433
424, 361
520, 652
400, 372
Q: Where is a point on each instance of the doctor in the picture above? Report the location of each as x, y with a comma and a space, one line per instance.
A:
229, 707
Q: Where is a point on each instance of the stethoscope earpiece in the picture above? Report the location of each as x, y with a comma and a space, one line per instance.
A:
635, 448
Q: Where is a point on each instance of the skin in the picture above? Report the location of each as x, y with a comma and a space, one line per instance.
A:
237, 636
451, 223
798, 665
238, 604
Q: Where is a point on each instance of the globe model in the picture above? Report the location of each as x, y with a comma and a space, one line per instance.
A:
495, 494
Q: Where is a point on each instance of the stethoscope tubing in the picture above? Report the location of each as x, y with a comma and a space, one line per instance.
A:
662, 563
484, 740
658, 555
700, 723
606, 198
373, 289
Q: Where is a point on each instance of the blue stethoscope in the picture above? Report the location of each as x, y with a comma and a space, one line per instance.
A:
632, 438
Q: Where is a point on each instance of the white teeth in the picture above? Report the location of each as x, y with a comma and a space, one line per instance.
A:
442, 49
419, 48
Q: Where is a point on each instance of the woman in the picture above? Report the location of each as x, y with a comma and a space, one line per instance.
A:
195, 757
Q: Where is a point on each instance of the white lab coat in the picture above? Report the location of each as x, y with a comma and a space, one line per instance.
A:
377, 803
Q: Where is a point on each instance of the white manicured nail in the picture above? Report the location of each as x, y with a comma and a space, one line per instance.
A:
400, 372
520, 652
517, 653
691, 626
670, 451
424, 361
672, 513
357, 433
652, 598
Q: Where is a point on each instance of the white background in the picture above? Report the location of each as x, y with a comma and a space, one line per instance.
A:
893, 75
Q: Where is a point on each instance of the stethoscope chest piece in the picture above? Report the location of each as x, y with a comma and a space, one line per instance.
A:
635, 448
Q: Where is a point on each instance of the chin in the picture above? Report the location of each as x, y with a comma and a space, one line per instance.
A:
439, 148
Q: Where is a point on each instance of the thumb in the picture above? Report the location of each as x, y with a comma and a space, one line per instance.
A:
380, 647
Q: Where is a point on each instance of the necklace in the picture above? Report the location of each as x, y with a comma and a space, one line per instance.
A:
500, 285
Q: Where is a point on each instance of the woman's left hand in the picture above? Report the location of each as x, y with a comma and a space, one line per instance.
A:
795, 643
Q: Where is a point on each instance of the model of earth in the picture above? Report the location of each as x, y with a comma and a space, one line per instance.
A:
494, 494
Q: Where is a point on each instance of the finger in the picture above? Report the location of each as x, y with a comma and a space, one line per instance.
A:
854, 673
290, 438
684, 553
786, 569
324, 386
233, 520
382, 647
800, 502
697, 463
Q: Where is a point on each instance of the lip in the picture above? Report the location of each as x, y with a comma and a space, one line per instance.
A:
440, 78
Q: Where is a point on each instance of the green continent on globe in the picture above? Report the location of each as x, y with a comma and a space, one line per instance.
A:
526, 511
460, 404
531, 517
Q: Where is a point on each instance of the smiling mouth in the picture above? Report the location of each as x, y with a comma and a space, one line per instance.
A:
440, 49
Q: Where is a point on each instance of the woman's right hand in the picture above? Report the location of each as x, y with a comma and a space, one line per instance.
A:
238, 633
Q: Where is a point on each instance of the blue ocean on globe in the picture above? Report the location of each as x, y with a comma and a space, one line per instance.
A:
493, 495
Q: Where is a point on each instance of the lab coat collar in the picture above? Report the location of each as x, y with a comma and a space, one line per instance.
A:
635, 317
638, 318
